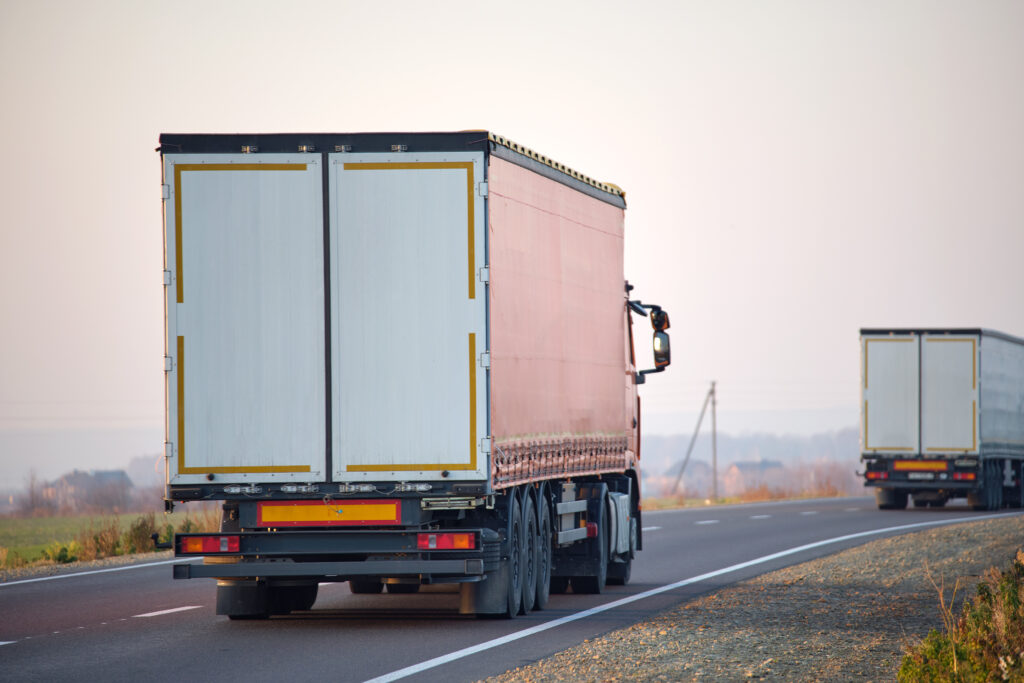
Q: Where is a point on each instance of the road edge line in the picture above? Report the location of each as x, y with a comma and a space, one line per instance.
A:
95, 571
512, 637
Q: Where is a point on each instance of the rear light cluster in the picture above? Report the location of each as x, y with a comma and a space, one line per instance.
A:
446, 541
207, 545
878, 475
964, 476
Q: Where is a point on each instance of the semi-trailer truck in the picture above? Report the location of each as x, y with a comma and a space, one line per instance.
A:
398, 359
942, 417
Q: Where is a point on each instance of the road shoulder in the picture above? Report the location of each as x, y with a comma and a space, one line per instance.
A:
848, 616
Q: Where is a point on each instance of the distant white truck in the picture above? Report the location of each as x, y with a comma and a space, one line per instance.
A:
942, 416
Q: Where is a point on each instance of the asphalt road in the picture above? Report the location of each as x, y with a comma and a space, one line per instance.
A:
139, 624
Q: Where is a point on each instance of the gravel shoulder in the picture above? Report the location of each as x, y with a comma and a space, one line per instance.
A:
846, 617
38, 570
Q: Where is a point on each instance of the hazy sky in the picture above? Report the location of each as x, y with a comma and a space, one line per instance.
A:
794, 171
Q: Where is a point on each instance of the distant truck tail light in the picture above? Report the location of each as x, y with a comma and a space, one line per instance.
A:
207, 545
964, 476
446, 541
877, 475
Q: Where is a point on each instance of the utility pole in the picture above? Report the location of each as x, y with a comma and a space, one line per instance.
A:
714, 446
709, 398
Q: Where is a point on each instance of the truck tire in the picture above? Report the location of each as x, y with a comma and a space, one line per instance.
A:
365, 586
243, 600
891, 499
287, 599
543, 557
516, 552
530, 543
990, 497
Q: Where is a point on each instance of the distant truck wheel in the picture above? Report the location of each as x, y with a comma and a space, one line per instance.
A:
891, 499
990, 496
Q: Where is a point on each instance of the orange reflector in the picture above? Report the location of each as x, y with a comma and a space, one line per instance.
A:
919, 466
207, 545
446, 541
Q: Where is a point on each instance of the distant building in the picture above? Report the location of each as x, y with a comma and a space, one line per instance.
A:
77, 491
744, 476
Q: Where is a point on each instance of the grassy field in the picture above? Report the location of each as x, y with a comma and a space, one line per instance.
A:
28, 537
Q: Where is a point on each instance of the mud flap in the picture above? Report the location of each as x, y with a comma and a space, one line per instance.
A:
487, 596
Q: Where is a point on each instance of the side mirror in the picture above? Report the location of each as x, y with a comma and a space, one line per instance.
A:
662, 350
659, 319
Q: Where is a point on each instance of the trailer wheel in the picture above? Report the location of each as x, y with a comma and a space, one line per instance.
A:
286, 599
891, 499
516, 552
243, 600
544, 557
990, 497
529, 556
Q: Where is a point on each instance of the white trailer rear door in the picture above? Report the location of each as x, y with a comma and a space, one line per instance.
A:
949, 393
409, 390
247, 383
890, 392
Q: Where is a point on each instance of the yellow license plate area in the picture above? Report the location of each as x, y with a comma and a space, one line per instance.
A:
335, 513
919, 465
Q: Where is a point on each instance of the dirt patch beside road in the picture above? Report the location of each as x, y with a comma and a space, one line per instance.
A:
846, 617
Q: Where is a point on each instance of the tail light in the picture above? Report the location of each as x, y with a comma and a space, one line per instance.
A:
591, 529
964, 476
207, 545
446, 541
877, 475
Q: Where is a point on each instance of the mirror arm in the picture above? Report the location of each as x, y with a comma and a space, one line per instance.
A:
641, 377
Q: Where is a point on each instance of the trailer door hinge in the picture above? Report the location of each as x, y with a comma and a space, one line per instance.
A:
165, 191
167, 278
485, 274
485, 445
485, 360
168, 363
481, 188
168, 450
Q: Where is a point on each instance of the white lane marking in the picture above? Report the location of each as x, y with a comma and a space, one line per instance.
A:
650, 528
7, 642
707, 521
852, 510
167, 611
809, 512
98, 571
760, 516
512, 637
